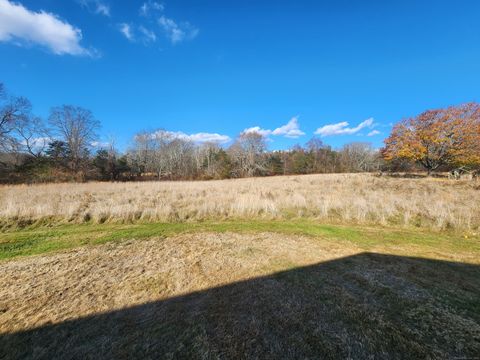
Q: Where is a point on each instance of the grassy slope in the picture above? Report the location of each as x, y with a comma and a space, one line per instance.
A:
413, 242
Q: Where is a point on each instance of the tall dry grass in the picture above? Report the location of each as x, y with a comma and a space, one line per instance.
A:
351, 198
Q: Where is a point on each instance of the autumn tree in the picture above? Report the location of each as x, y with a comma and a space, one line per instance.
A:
438, 137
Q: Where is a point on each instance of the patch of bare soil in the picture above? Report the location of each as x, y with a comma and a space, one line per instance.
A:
236, 296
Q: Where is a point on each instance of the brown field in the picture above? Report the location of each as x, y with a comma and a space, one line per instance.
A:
230, 296
351, 198
345, 266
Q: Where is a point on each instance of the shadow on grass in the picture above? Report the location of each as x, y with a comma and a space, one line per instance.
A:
438, 175
363, 306
406, 175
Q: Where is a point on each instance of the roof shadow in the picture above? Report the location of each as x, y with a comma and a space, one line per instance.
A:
362, 306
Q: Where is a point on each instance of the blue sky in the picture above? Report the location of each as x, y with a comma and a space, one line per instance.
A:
289, 69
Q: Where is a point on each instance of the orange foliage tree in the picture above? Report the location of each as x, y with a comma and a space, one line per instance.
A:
438, 137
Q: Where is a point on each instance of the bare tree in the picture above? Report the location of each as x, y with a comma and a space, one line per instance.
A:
77, 127
315, 144
13, 112
162, 159
205, 158
163, 153
33, 136
139, 157
182, 158
315, 147
248, 154
359, 156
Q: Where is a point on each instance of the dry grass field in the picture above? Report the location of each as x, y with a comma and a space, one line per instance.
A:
321, 266
351, 198
230, 295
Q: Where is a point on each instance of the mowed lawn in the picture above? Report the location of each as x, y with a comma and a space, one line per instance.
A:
238, 289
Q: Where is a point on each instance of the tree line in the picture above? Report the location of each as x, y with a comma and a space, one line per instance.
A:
65, 147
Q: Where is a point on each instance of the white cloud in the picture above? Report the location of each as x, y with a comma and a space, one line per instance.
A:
17, 23
148, 6
201, 137
342, 128
209, 137
373, 133
258, 130
126, 30
100, 144
37, 143
290, 130
177, 32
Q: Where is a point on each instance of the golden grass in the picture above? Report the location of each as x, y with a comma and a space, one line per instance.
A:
252, 288
352, 198
134, 272
230, 295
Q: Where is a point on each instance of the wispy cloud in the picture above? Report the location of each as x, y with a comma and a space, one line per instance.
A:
126, 30
373, 133
342, 128
137, 33
147, 35
177, 32
150, 6
289, 130
154, 22
96, 6
103, 9
22, 26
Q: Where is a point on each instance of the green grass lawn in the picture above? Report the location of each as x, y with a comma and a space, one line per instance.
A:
43, 239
